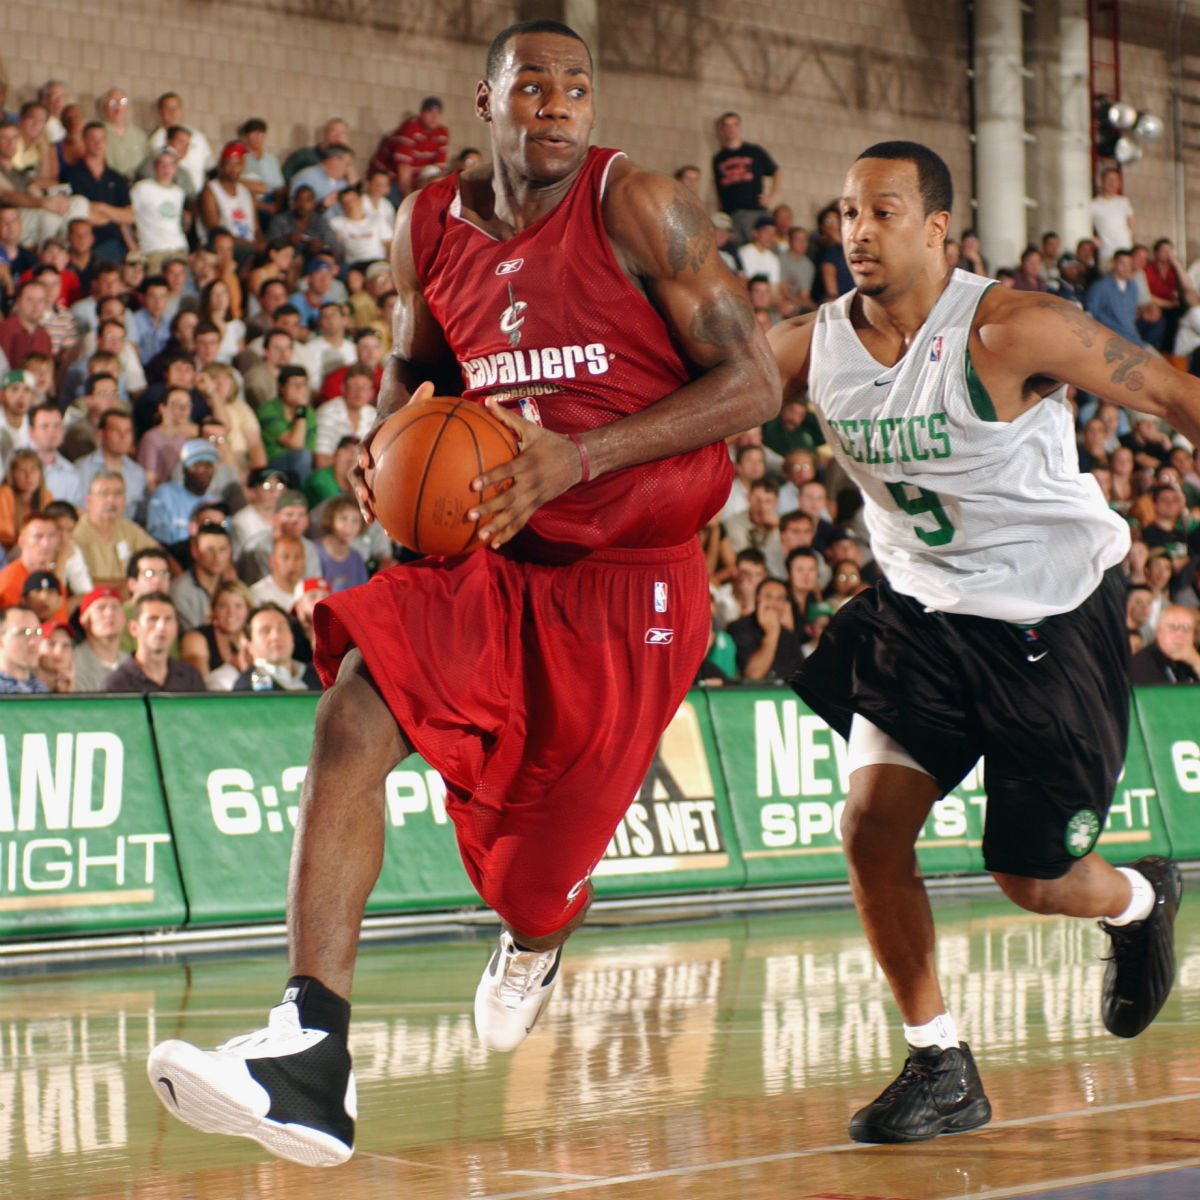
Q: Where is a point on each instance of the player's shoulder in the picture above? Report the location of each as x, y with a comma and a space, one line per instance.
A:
630, 185
646, 212
1005, 314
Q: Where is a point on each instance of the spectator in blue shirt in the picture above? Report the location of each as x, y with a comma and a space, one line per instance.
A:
1113, 300
171, 504
151, 323
20, 644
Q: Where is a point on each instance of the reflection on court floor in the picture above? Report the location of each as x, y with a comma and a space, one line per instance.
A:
690, 1060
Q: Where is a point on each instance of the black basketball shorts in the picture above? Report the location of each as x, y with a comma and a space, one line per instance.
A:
1047, 709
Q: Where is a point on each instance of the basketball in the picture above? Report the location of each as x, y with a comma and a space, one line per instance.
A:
424, 458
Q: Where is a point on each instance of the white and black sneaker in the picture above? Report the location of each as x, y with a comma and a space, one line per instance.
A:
515, 987
290, 1089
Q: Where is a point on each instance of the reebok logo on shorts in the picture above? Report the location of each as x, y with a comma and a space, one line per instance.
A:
659, 637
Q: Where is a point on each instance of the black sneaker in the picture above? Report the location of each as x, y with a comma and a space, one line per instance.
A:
938, 1091
289, 1088
1141, 967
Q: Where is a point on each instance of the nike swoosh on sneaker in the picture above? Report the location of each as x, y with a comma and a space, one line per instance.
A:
170, 1088
1036, 657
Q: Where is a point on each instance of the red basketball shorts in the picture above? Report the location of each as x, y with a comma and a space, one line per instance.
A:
539, 692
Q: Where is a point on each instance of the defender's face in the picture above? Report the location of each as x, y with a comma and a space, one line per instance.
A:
886, 235
540, 107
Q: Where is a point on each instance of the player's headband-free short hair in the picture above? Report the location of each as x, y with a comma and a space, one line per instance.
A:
496, 51
933, 176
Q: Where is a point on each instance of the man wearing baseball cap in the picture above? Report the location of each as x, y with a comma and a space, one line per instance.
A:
44, 594
16, 399
227, 203
313, 293
171, 504
102, 618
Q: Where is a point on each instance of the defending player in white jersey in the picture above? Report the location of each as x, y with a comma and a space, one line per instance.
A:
999, 630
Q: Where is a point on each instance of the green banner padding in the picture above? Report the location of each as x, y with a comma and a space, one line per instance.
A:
678, 833
85, 845
233, 767
1169, 721
787, 776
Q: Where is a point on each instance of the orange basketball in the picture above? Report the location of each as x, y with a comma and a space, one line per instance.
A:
424, 458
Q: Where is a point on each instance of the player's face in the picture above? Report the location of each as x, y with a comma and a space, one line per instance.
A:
888, 239
540, 107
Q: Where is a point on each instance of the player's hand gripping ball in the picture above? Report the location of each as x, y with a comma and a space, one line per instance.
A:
422, 462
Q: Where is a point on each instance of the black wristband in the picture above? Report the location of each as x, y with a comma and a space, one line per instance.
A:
301, 413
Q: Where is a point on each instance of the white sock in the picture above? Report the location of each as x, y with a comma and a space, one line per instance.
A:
941, 1032
1141, 899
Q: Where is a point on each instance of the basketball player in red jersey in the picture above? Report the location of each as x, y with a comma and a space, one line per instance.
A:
583, 299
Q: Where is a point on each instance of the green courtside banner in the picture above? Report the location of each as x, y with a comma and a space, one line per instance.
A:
678, 833
786, 773
232, 767
85, 845
1169, 721
787, 776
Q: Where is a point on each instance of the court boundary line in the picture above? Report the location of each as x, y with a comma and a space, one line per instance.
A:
843, 1147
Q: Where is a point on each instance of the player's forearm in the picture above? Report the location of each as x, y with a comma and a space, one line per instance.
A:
730, 398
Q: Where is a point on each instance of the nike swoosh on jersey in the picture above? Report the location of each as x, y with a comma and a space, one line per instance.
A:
884, 382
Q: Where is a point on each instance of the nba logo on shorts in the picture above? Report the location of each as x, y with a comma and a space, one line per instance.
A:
935, 349
660, 596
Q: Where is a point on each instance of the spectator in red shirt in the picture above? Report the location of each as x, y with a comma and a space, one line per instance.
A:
1168, 284
21, 334
420, 141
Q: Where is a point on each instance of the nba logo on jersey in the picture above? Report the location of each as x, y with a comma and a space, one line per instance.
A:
660, 596
935, 349
530, 410
511, 267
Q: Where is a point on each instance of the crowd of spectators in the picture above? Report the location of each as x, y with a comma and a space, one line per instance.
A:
191, 342
192, 336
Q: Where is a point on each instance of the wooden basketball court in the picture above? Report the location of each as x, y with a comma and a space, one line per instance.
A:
718, 1058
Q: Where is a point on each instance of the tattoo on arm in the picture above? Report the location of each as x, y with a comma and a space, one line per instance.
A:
1081, 326
726, 318
688, 237
1128, 359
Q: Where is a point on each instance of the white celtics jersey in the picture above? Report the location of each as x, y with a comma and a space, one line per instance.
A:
967, 513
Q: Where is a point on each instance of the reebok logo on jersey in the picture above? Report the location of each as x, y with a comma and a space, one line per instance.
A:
511, 267
659, 637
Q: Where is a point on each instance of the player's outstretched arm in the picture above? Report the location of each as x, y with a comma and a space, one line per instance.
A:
791, 343
1035, 335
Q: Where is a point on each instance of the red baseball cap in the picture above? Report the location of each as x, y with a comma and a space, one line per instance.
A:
316, 583
233, 150
48, 627
103, 592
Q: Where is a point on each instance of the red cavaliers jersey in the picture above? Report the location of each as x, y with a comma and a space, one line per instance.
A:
549, 317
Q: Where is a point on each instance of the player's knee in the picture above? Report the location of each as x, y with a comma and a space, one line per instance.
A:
1044, 896
353, 722
866, 836
537, 912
